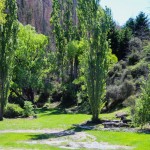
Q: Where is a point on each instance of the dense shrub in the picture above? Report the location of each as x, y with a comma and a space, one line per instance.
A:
43, 98
139, 69
126, 75
46, 105
56, 92
13, 111
28, 109
142, 109
123, 64
117, 94
135, 44
130, 101
133, 58
14, 99
117, 67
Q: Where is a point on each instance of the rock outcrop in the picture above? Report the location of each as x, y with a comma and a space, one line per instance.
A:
36, 13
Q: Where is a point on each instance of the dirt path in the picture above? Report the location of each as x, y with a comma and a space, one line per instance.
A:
68, 140
30, 131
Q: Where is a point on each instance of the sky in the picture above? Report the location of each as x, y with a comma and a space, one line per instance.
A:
122, 10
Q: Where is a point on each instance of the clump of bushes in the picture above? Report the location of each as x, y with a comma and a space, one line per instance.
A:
133, 58
135, 44
142, 107
140, 69
13, 111
28, 109
117, 94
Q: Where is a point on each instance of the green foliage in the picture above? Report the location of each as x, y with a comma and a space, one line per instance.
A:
119, 38
147, 52
125, 36
2, 15
135, 44
28, 109
133, 58
139, 26
64, 31
139, 69
13, 111
8, 42
142, 111
31, 59
64, 25
95, 25
121, 92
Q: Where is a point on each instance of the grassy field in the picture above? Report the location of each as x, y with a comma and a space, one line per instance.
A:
55, 119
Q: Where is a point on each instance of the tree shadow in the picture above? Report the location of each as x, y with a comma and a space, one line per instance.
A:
71, 131
51, 111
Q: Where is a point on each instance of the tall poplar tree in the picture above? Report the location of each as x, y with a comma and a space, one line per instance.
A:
95, 24
2, 14
8, 41
64, 24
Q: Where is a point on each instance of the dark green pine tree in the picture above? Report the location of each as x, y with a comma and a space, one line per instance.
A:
142, 26
8, 42
131, 24
114, 37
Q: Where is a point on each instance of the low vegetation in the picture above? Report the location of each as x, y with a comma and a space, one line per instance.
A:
56, 119
95, 70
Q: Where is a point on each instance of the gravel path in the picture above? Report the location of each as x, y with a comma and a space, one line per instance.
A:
68, 140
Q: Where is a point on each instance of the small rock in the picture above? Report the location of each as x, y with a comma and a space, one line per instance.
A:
121, 115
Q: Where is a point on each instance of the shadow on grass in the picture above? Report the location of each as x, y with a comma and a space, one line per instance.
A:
51, 111
75, 129
70, 131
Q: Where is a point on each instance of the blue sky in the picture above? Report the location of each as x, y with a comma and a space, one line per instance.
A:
122, 10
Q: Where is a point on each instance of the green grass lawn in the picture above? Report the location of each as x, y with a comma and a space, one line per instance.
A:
56, 119
137, 140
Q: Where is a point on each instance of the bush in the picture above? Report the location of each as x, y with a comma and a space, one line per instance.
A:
123, 64
14, 99
130, 101
133, 58
142, 109
46, 106
140, 69
13, 111
28, 109
135, 44
117, 94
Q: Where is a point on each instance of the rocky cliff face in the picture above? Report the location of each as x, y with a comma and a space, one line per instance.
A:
36, 13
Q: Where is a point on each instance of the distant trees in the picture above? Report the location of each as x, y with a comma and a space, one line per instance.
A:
140, 26
8, 43
65, 31
119, 39
120, 36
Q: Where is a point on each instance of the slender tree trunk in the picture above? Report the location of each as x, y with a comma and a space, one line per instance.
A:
75, 67
71, 70
1, 112
29, 94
